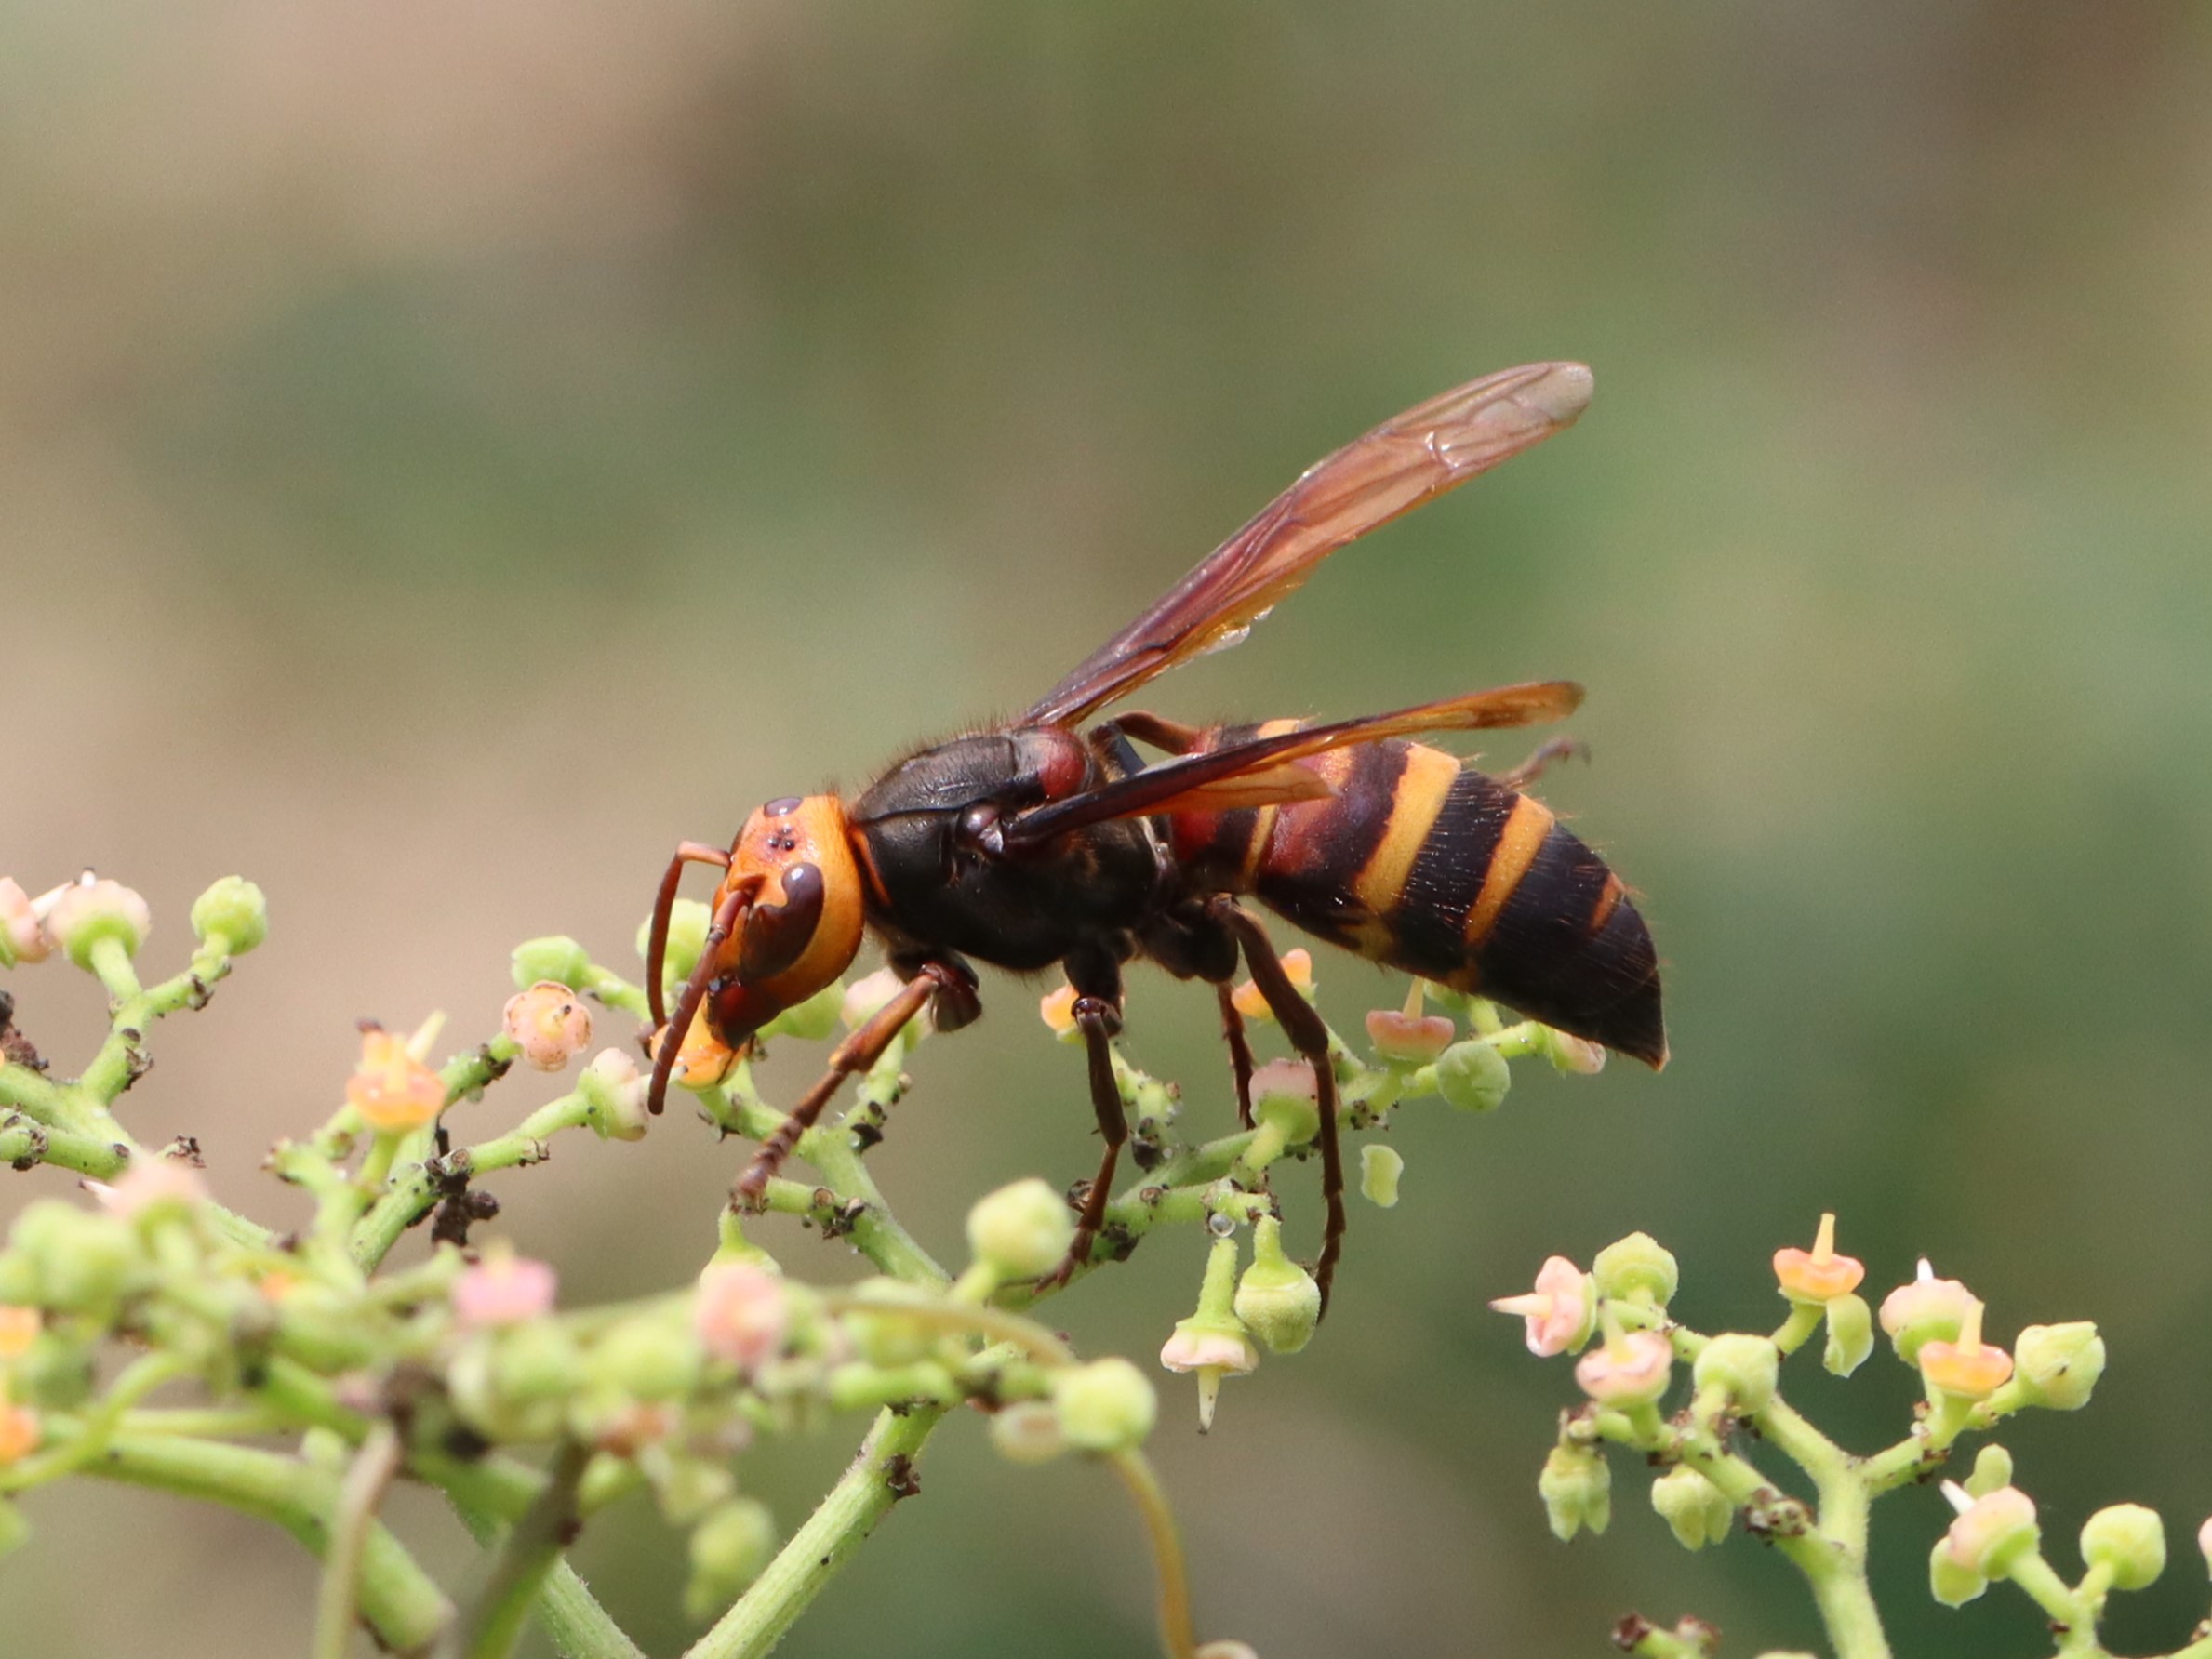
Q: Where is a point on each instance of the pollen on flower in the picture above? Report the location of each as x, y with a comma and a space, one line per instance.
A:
503, 1289
739, 1314
18, 1330
1819, 1274
1298, 967
548, 1023
1560, 1311
392, 1089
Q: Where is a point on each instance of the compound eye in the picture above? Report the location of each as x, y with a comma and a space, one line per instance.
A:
777, 935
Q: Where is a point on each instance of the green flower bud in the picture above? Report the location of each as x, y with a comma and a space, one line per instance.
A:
235, 909
686, 1488
1277, 1300
646, 1359
2128, 1540
557, 957
1992, 1468
2057, 1365
1380, 1168
537, 1360
686, 937
728, 1549
1020, 1232
1283, 1099
1107, 1405
1637, 1268
1850, 1335
1472, 1076
614, 1090
887, 1337
507, 1403
1028, 1431
85, 1263
1745, 1368
812, 1020
1576, 1488
1698, 1511
1949, 1581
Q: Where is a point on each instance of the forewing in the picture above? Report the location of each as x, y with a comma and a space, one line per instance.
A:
1370, 481
1263, 770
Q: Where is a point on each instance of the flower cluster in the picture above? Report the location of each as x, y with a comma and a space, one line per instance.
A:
1618, 1317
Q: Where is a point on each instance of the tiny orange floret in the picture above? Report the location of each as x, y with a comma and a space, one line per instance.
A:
1057, 1009
18, 1330
393, 1089
19, 1433
1818, 1274
1298, 967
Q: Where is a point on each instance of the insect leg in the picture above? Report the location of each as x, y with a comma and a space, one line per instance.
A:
695, 990
1540, 760
1170, 736
860, 1050
1240, 1055
1098, 1020
1309, 1037
687, 852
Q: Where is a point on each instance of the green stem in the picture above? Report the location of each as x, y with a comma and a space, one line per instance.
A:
862, 1496
1176, 1632
358, 1499
398, 1600
415, 1193
492, 1623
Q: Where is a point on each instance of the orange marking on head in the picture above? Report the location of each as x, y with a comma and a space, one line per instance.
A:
1524, 834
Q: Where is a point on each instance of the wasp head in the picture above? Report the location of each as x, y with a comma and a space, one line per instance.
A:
793, 895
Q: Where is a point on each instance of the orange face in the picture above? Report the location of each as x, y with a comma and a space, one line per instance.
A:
803, 926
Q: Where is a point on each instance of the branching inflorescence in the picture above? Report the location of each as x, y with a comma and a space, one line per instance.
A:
1706, 1453
154, 1337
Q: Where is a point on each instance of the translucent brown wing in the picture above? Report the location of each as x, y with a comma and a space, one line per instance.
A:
1368, 483
1260, 770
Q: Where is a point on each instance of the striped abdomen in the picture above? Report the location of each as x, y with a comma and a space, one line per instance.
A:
1428, 865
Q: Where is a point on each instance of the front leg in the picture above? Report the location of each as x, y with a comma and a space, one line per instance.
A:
951, 983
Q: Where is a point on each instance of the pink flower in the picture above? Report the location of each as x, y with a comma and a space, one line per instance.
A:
741, 1314
147, 1183
1561, 1311
22, 934
1217, 1349
547, 1023
1410, 1038
1630, 1369
1992, 1532
91, 908
1926, 1304
503, 1289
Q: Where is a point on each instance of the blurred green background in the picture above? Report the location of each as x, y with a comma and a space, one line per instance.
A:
451, 452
